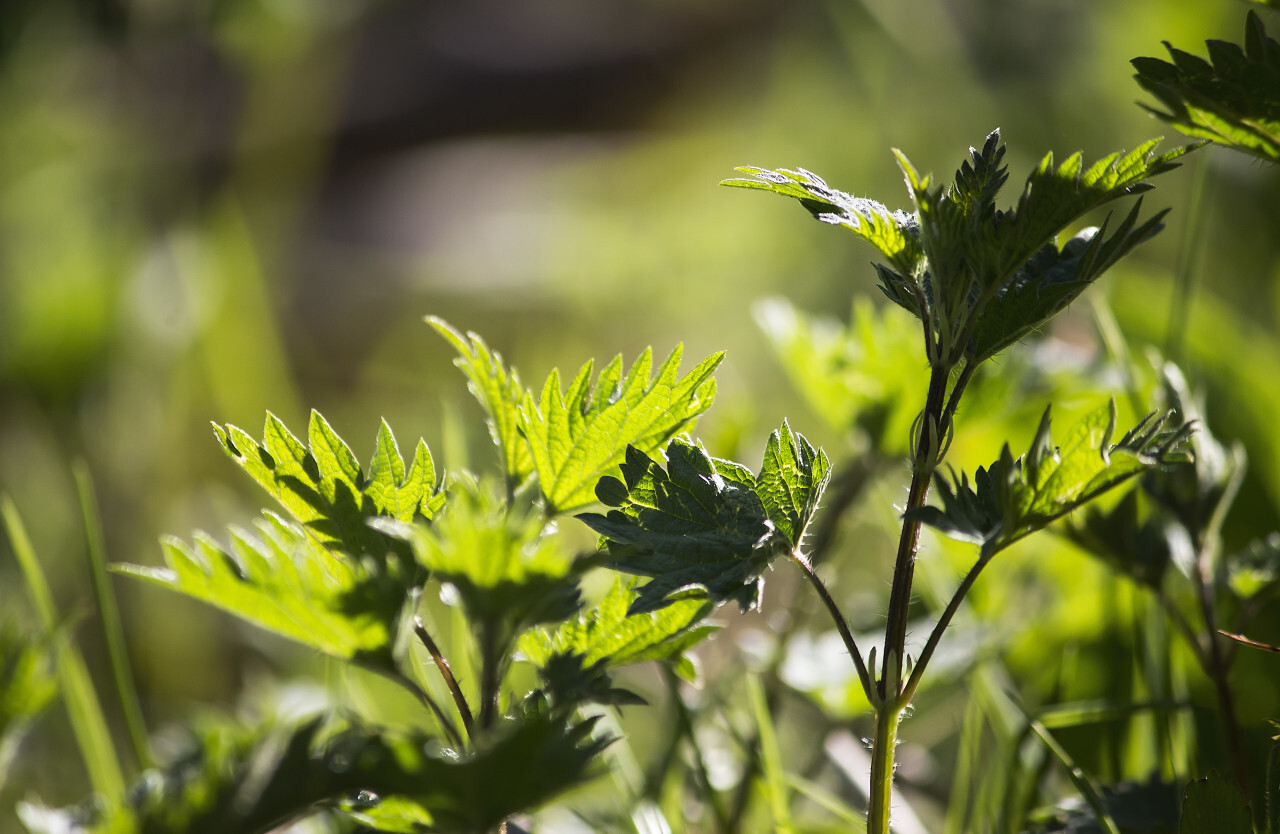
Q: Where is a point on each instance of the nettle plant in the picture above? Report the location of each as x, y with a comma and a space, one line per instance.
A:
347, 570
517, 673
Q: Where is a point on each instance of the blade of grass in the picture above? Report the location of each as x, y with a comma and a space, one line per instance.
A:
109, 613
857, 824
965, 767
1091, 793
775, 780
83, 709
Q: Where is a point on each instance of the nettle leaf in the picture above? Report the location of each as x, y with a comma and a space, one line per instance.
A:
1051, 279
499, 391
27, 685
578, 436
508, 572
707, 526
516, 769
253, 780
979, 277
608, 636
867, 374
280, 579
323, 487
1013, 498
1233, 98
895, 234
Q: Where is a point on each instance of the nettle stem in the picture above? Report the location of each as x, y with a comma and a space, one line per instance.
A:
890, 702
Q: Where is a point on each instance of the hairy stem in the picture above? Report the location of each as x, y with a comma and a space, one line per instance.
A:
446, 672
922, 466
890, 702
888, 717
935, 636
841, 625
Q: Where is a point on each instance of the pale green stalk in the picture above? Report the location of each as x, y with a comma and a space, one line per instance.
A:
83, 709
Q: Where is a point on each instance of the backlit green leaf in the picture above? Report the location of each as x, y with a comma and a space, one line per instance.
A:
280, 579
1013, 498
578, 436
508, 571
895, 234
607, 634
323, 487
500, 393
706, 525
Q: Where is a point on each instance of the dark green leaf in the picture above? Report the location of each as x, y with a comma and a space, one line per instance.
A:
500, 393
1013, 498
323, 487
254, 780
1214, 805
282, 580
707, 525
577, 437
1050, 280
1232, 99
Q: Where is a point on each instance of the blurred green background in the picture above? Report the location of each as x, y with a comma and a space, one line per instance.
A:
213, 209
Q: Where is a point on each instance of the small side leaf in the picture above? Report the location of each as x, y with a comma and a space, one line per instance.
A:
500, 393
609, 636
280, 579
323, 487
894, 234
1013, 498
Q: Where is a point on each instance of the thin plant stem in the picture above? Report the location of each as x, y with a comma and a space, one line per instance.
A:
841, 625
935, 636
888, 717
83, 708
429, 702
1218, 668
446, 672
490, 679
109, 614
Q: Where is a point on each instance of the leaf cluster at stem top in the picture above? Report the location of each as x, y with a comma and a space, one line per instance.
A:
980, 278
